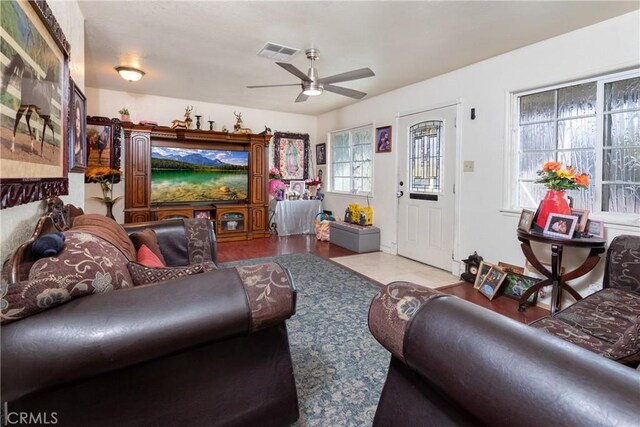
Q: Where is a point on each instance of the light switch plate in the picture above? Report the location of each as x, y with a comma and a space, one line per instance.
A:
468, 165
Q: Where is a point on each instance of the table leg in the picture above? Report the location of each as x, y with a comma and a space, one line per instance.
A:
556, 267
531, 257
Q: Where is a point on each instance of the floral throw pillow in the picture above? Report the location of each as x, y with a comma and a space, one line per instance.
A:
143, 275
86, 265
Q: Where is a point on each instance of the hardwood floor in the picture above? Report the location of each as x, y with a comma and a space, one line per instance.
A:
280, 245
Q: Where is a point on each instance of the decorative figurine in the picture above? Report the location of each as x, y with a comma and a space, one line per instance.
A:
198, 121
186, 123
265, 131
211, 123
239, 126
471, 266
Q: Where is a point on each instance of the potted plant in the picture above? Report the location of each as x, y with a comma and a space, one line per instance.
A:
124, 114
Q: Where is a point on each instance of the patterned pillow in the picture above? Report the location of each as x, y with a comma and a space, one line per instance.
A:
143, 275
148, 238
86, 265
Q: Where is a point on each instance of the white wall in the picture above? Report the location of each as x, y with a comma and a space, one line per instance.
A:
605, 47
102, 102
18, 222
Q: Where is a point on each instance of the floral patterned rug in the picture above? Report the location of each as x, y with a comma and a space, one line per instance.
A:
339, 367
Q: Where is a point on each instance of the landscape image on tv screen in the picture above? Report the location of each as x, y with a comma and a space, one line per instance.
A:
195, 175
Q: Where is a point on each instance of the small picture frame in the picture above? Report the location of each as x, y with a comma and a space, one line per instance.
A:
515, 285
583, 217
510, 268
560, 226
297, 186
595, 228
526, 220
202, 214
321, 154
483, 269
492, 282
77, 129
383, 139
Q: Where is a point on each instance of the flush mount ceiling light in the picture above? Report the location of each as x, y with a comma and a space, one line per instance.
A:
129, 73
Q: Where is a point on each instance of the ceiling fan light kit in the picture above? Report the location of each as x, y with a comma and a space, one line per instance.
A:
130, 74
312, 85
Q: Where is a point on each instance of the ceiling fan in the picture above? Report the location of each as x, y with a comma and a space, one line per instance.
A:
312, 85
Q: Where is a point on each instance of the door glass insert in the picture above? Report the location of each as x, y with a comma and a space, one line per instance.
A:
425, 157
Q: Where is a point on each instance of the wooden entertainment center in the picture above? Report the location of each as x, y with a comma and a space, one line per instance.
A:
242, 220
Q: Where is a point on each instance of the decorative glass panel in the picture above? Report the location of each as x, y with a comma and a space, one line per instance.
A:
577, 133
540, 136
530, 163
622, 165
577, 101
425, 159
622, 95
538, 107
623, 198
622, 129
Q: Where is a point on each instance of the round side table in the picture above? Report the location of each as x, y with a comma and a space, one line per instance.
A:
553, 277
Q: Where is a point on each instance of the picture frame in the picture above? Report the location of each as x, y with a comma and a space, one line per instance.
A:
77, 129
483, 269
202, 214
492, 282
560, 226
32, 171
515, 285
103, 144
510, 268
383, 139
321, 154
291, 155
526, 220
298, 186
595, 228
583, 217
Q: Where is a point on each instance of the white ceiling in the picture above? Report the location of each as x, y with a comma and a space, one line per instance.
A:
207, 50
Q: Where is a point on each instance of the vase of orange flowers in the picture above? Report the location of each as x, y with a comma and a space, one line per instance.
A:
557, 180
105, 177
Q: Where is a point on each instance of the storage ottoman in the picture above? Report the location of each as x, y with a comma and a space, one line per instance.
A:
356, 238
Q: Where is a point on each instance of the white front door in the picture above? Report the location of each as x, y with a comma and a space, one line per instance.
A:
426, 178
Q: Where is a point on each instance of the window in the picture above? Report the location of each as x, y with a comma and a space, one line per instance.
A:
425, 161
351, 160
592, 125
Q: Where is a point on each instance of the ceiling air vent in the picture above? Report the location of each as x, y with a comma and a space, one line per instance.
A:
277, 52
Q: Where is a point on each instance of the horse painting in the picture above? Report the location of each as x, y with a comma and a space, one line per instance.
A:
36, 96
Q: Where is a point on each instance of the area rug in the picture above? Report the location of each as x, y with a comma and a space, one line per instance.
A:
339, 367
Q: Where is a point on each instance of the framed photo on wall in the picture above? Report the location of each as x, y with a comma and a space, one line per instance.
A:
291, 155
321, 154
77, 129
383, 139
33, 157
103, 143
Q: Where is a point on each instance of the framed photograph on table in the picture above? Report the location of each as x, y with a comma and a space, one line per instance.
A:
595, 228
483, 269
492, 282
297, 186
77, 130
583, 217
526, 220
33, 156
560, 226
103, 143
321, 154
517, 284
291, 155
383, 139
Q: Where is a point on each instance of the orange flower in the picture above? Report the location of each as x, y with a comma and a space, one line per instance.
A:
551, 166
582, 180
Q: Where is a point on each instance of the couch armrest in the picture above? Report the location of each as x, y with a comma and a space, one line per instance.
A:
506, 373
104, 332
180, 239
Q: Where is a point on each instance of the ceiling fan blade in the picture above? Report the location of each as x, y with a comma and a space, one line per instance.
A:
349, 75
302, 97
292, 84
293, 70
344, 91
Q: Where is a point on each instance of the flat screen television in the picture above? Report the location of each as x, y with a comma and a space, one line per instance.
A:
190, 175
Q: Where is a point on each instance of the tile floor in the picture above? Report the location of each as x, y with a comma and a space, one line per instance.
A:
386, 268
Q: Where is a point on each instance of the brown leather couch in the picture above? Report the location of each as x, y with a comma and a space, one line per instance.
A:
457, 364
186, 352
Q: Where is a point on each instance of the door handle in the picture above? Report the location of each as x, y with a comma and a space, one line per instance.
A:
399, 194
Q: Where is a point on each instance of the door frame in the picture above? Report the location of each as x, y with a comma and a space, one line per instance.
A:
457, 175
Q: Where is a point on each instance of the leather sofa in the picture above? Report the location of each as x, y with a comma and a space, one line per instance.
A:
188, 351
454, 363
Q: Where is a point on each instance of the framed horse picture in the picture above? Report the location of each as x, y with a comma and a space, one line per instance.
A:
103, 144
35, 104
291, 155
77, 130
